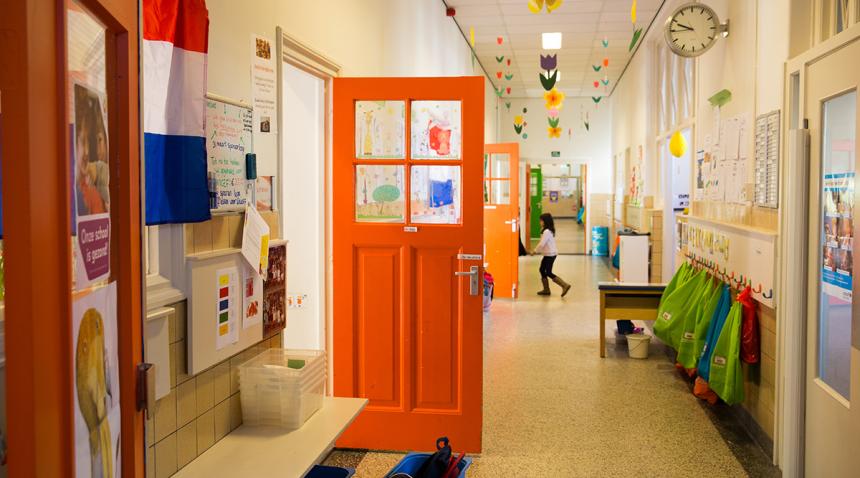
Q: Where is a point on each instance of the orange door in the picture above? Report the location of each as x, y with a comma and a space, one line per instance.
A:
69, 63
501, 215
407, 323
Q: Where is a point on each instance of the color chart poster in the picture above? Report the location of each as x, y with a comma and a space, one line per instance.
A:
229, 303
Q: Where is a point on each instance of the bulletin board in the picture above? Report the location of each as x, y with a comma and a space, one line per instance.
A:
229, 136
205, 308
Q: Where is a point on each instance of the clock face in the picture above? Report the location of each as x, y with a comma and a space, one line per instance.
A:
692, 29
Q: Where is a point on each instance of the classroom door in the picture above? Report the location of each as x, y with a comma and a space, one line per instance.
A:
833, 355
501, 216
72, 241
407, 237
535, 203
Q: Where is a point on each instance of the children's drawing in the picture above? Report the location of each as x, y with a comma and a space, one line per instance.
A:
380, 129
435, 194
436, 130
379, 193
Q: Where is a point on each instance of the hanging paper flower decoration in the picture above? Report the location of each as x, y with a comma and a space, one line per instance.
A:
472, 36
596, 84
535, 6
554, 132
605, 43
518, 124
525, 110
596, 68
636, 35
525, 136
605, 81
509, 62
553, 113
677, 145
499, 75
508, 105
509, 76
548, 62
606, 62
554, 99
596, 99
500, 59
499, 91
499, 40
633, 13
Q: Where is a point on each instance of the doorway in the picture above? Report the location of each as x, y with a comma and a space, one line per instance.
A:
562, 195
832, 421
501, 219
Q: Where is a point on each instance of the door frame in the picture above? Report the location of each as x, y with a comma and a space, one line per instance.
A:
39, 354
789, 444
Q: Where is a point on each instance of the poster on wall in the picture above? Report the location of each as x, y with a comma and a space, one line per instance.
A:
91, 186
226, 307
636, 183
265, 193
264, 87
252, 297
96, 372
275, 292
838, 250
228, 139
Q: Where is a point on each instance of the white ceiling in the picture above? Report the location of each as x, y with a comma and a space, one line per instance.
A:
583, 23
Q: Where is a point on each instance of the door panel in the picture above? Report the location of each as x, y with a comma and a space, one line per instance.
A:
407, 330
501, 216
832, 382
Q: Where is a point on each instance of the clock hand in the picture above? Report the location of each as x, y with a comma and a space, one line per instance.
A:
685, 27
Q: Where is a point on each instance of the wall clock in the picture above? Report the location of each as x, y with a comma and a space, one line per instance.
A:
693, 28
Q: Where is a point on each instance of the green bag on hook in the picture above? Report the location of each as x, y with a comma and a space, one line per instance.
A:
696, 325
672, 313
727, 375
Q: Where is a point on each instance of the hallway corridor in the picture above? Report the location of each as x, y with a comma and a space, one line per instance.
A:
585, 424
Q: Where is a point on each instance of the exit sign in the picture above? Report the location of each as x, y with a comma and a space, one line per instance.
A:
555, 154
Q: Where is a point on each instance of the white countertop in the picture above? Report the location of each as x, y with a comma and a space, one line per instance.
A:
261, 452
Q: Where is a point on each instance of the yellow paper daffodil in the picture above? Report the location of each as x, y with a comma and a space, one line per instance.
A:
554, 99
554, 132
518, 119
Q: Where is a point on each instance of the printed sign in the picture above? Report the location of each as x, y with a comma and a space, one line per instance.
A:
838, 250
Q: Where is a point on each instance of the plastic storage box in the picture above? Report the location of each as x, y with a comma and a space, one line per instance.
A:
413, 461
282, 387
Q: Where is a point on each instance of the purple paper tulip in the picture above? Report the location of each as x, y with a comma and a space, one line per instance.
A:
548, 62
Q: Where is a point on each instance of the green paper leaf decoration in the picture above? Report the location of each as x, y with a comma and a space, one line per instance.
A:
553, 122
518, 128
525, 136
635, 39
509, 76
605, 82
605, 43
508, 105
597, 67
596, 99
500, 58
499, 92
587, 126
548, 81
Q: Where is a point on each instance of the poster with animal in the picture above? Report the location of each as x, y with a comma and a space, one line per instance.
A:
96, 377
436, 130
275, 291
380, 129
379, 193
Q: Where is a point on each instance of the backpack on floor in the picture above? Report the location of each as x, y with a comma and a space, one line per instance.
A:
714, 329
696, 327
673, 312
727, 375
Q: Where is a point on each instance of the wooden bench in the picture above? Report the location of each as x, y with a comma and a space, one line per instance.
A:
627, 302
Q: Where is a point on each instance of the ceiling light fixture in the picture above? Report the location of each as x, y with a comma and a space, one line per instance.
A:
551, 41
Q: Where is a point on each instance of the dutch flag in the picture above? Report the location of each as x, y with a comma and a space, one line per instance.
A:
175, 43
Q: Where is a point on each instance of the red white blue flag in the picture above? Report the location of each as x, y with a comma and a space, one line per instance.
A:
175, 43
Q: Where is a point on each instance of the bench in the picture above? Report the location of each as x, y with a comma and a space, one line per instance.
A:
627, 302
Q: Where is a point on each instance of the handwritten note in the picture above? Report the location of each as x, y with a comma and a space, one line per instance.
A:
228, 139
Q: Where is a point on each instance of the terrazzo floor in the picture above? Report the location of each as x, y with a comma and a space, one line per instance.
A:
569, 237
554, 408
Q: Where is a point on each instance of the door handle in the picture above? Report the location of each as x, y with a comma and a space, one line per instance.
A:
473, 278
513, 223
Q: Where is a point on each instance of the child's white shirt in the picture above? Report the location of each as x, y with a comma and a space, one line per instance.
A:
547, 246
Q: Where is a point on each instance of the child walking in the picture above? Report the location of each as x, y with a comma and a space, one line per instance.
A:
548, 249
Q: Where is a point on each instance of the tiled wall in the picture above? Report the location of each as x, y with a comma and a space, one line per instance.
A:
199, 410
760, 379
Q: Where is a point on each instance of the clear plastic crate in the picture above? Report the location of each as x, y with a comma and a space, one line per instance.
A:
273, 393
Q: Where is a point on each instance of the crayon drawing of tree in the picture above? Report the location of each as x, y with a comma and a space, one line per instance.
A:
385, 194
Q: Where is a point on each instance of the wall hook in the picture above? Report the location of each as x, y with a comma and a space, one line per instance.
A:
769, 295
758, 290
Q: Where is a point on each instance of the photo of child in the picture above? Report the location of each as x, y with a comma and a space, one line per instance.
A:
831, 226
829, 261
92, 169
845, 233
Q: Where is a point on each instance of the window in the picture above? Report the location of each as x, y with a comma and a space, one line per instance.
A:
834, 16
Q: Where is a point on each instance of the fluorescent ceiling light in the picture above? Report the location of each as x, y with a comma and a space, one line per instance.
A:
551, 41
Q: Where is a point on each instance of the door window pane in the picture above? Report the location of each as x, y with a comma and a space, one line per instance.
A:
435, 194
836, 242
436, 130
497, 191
380, 129
498, 166
379, 193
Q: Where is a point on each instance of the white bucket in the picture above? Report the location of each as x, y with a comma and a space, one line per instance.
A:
637, 345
